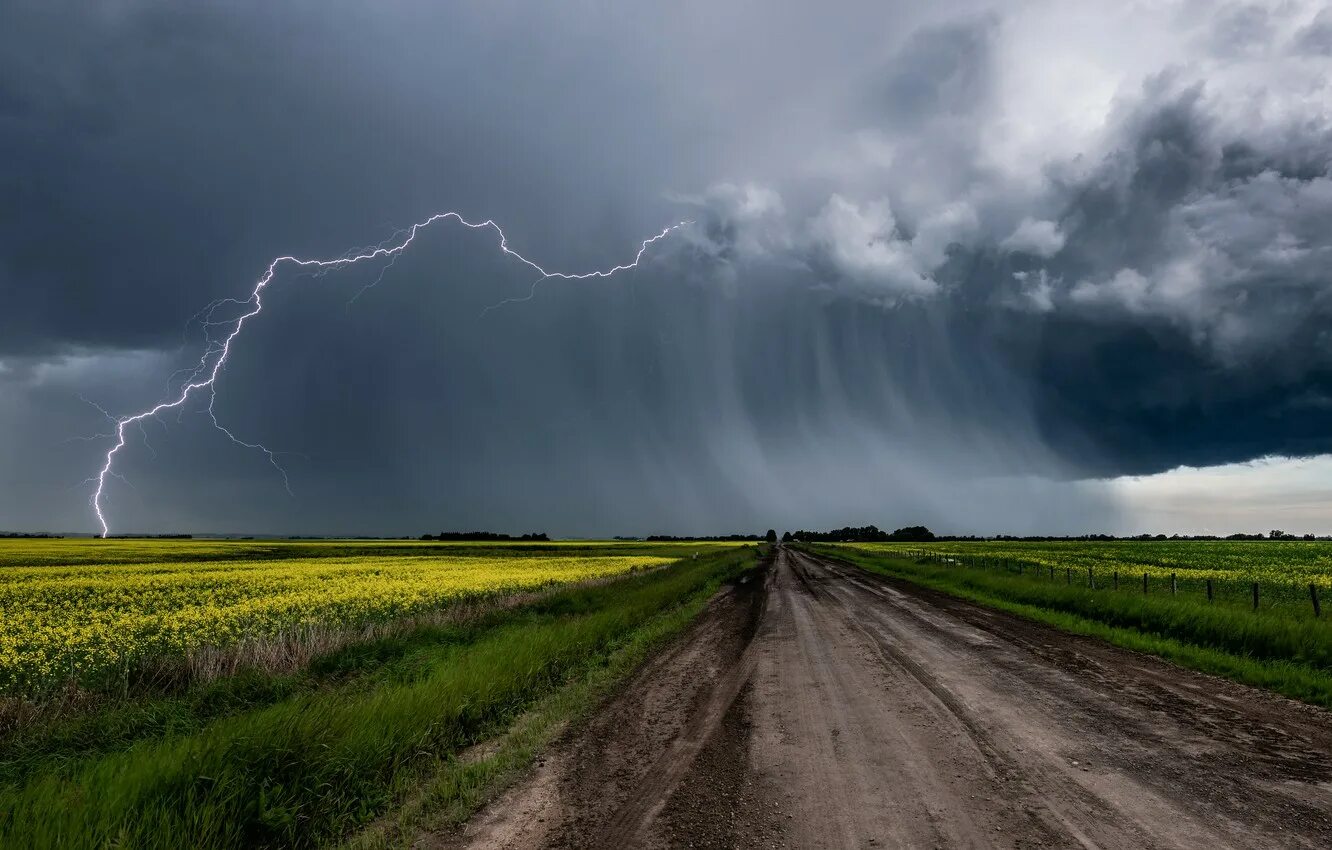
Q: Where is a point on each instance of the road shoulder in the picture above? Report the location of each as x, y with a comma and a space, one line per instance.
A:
653, 761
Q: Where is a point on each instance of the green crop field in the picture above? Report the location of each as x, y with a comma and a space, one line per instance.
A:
242, 694
1283, 570
1255, 611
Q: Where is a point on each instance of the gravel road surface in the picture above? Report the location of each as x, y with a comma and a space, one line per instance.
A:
820, 706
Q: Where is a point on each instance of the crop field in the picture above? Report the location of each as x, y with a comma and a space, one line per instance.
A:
434, 647
1283, 570
1254, 611
90, 611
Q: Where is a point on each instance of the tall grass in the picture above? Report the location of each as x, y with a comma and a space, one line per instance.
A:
459, 786
1267, 648
305, 770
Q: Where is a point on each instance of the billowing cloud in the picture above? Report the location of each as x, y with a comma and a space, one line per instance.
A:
861, 242
1035, 236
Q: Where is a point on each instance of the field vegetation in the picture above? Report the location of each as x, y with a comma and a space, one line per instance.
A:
310, 754
1283, 569
1197, 607
105, 614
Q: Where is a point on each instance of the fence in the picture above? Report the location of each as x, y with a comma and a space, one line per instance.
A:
1284, 597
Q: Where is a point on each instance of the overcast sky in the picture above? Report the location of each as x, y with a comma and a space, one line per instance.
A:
990, 267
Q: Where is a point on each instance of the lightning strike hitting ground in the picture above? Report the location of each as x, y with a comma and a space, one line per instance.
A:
203, 376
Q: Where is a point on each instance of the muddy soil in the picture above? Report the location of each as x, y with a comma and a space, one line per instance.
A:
824, 707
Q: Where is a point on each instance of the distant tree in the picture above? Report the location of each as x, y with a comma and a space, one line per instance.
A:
786, 537
483, 535
865, 534
912, 534
771, 536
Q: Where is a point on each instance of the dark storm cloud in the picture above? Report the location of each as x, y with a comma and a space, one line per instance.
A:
1173, 309
947, 260
1192, 296
1316, 38
1241, 28
157, 153
938, 71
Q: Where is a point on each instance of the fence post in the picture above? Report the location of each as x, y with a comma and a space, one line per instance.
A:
1255, 596
1091, 579
1174, 585
1068, 574
1051, 573
1116, 579
1313, 594
1144, 582
1209, 590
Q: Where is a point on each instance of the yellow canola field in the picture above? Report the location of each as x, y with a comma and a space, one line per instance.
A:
62, 623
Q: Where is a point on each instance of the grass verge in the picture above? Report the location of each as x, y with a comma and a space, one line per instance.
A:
460, 786
1292, 658
306, 767
34, 734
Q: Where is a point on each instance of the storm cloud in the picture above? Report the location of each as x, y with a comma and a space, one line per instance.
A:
946, 264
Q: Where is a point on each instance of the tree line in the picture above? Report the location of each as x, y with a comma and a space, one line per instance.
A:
860, 534
484, 535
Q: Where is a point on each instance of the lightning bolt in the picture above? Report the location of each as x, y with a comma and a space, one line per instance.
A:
202, 377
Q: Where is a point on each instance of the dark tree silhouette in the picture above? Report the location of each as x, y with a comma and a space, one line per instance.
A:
866, 534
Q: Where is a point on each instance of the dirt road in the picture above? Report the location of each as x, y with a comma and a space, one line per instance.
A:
824, 707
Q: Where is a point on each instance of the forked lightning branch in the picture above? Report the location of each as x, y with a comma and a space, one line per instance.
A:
203, 379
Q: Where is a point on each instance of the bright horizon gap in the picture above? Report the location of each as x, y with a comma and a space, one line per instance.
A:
1274, 492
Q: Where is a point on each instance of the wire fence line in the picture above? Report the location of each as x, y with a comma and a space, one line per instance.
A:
1289, 598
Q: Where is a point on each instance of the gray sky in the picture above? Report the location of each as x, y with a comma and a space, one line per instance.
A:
986, 266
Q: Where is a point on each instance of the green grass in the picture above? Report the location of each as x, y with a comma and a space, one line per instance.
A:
1283, 569
1269, 649
304, 760
458, 787
112, 725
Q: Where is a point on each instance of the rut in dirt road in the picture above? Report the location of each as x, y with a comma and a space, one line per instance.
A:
833, 708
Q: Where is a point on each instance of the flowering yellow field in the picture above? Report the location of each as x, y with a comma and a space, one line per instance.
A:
75, 609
